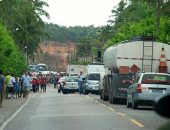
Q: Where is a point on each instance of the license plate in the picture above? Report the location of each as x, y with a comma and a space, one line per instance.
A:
157, 91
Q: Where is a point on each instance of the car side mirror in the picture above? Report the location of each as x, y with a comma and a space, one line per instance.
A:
162, 106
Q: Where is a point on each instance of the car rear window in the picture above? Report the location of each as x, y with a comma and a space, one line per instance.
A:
72, 80
156, 79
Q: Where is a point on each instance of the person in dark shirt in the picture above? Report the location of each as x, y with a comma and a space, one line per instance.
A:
2, 87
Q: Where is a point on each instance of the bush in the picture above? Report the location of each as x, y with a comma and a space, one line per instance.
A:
11, 59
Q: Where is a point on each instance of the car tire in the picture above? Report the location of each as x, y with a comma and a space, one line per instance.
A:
134, 103
65, 92
86, 92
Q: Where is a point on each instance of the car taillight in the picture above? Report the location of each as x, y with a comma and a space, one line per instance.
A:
139, 88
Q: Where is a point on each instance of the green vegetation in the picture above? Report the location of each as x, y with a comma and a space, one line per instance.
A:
71, 34
137, 17
22, 20
11, 59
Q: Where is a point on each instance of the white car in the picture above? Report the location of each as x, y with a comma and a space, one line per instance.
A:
70, 85
146, 88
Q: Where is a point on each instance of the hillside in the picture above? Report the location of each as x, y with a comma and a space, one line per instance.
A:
55, 55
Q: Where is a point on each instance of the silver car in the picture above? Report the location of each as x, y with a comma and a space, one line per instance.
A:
70, 85
91, 83
146, 88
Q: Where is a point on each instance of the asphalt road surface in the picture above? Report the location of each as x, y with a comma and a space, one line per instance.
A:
53, 111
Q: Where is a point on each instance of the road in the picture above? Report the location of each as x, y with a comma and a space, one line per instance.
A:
53, 111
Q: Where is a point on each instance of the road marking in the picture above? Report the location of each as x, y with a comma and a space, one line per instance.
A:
122, 114
90, 98
15, 114
137, 123
96, 101
119, 113
87, 96
102, 105
111, 109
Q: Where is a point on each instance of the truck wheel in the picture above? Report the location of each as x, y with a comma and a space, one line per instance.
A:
110, 99
101, 94
134, 103
105, 98
128, 104
97, 93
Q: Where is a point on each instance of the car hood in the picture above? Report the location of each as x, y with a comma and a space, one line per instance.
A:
92, 82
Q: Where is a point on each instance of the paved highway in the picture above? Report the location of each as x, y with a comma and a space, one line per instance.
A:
53, 111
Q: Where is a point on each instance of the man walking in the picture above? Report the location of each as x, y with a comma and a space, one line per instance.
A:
2, 87
80, 82
26, 80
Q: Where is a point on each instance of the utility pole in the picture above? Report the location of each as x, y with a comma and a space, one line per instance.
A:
26, 52
158, 14
68, 53
86, 52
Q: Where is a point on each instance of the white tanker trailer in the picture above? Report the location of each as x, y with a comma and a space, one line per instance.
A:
124, 60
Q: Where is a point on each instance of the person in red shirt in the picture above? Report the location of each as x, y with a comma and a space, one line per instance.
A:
43, 82
34, 83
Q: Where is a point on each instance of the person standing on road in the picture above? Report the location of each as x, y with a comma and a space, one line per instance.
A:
17, 87
80, 82
43, 83
7, 84
2, 87
26, 80
11, 86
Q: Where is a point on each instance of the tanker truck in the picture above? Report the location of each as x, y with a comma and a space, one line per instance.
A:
126, 59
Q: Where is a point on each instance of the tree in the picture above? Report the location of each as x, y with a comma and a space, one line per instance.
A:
11, 59
23, 19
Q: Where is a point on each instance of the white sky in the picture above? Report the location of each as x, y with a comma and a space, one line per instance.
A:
80, 12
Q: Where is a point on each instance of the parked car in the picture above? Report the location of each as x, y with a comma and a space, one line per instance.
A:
70, 85
91, 83
146, 88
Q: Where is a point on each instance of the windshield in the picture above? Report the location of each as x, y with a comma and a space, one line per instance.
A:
93, 77
156, 79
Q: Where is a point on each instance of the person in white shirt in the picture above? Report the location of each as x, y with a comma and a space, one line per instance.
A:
11, 86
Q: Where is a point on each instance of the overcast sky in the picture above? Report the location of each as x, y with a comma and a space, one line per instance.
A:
80, 12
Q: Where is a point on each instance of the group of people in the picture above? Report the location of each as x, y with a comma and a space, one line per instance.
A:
16, 87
